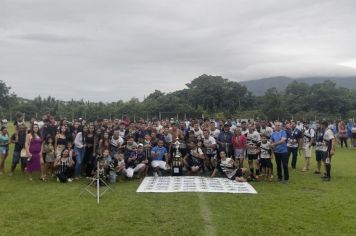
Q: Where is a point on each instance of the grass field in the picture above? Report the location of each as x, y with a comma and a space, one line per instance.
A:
305, 206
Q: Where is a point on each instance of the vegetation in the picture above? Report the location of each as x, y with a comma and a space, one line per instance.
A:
207, 95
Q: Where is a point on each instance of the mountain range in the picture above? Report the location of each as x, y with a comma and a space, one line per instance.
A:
258, 87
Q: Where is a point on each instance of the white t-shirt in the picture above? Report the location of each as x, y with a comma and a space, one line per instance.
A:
328, 136
215, 133
307, 137
209, 141
198, 133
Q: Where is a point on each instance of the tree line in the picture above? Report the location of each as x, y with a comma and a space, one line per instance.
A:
207, 95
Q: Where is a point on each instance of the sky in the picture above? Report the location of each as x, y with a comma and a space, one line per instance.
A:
115, 50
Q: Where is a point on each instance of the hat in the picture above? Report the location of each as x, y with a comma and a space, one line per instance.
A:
140, 145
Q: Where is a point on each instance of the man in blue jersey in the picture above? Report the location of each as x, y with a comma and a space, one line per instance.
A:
279, 144
159, 156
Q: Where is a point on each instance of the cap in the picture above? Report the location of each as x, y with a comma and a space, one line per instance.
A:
140, 145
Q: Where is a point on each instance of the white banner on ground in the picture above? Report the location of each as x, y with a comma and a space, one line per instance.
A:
170, 184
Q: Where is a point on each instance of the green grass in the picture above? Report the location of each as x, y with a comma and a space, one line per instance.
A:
305, 206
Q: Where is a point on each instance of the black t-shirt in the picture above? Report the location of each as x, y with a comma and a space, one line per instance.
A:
21, 141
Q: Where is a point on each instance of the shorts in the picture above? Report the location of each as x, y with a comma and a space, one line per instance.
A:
4, 151
252, 157
306, 152
240, 153
237, 174
161, 164
49, 158
320, 155
265, 162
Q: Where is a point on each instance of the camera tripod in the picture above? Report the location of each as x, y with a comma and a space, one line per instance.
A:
96, 182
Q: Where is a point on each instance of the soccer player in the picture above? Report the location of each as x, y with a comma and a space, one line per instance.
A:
328, 149
252, 144
209, 149
295, 142
226, 166
266, 157
308, 140
194, 161
159, 156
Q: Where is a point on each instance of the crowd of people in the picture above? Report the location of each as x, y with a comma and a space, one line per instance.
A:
241, 150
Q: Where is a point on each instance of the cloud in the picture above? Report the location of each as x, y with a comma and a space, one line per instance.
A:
121, 49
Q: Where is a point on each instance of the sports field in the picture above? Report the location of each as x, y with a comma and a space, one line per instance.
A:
305, 206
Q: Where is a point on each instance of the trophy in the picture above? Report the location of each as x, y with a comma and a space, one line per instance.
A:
177, 163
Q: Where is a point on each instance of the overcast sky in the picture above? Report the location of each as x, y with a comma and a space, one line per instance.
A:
114, 49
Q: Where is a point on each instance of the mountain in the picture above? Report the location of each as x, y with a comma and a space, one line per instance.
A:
258, 87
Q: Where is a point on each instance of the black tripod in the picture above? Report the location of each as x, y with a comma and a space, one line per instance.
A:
96, 183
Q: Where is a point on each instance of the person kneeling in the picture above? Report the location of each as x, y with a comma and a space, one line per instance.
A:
65, 167
136, 162
159, 153
227, 167
195, 159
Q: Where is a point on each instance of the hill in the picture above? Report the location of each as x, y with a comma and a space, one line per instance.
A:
258, 87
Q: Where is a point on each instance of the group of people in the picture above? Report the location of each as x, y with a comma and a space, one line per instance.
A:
119, 149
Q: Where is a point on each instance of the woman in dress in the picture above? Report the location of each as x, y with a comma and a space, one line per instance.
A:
33, 147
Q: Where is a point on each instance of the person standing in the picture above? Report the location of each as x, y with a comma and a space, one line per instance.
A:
342, 133
279, 145
225, 141
295, 143
328, 149
79, 151
349, 126
4, 147
33, 147
18, 138
308, 140
319, 134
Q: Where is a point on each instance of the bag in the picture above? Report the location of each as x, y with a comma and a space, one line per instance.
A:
23, 153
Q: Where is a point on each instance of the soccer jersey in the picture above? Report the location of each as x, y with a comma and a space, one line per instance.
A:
161, 152
266, 150
328, 137
319, 139
293, 136
227, 168
253, 140
209, 141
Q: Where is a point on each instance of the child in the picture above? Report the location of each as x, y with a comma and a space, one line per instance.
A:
194, 161
227, 167
71, 152
48, 150
266, 157
120, 162
104, 167
65, 165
